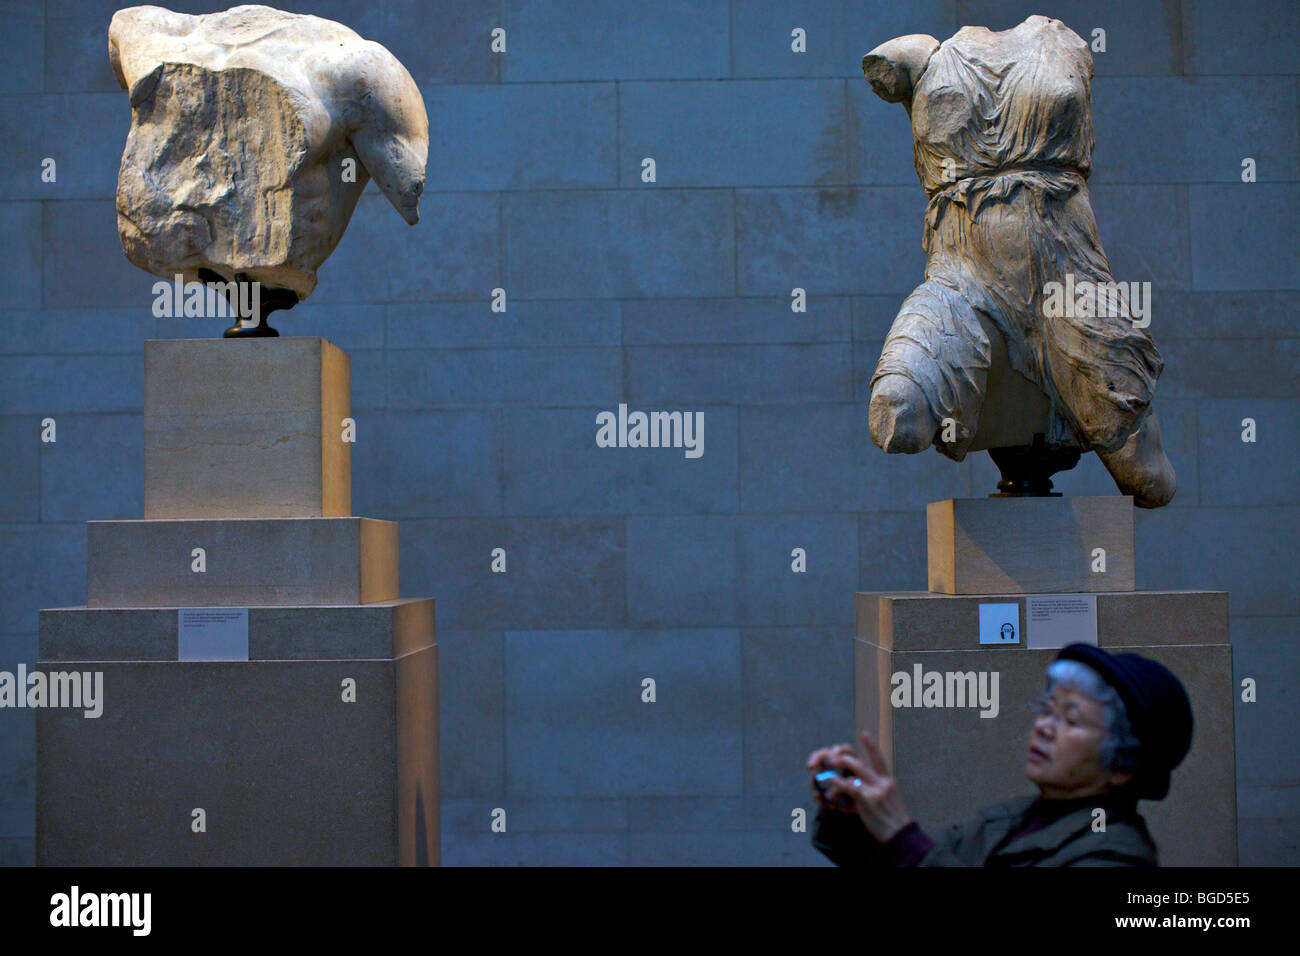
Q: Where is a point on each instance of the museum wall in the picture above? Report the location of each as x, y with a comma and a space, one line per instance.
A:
775, 170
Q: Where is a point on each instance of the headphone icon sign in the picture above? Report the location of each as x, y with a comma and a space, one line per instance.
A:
1008, 632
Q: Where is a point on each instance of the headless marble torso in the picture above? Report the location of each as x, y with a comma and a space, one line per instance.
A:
253, 135
976, 358
1002, 145
985, 104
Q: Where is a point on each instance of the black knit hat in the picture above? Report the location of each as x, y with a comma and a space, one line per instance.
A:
1157, 706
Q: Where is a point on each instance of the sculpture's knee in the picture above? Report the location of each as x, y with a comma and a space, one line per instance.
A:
899, 416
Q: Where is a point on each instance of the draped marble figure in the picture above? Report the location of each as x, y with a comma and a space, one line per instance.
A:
253, 133
981, 355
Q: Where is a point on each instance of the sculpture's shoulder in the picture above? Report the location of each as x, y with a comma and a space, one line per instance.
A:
1034, 32
1038, 32
253, 26
245, 25
137, 36
1056, 31
252, 36
130, 22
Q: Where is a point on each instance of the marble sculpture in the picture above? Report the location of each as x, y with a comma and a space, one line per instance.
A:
987, 353
253, 133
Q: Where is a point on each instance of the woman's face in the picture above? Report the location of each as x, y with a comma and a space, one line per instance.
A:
1065, 748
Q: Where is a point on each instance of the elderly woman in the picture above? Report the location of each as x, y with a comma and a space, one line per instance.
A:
1107, 733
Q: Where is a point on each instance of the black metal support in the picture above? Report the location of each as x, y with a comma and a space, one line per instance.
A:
269, 299
1027, 469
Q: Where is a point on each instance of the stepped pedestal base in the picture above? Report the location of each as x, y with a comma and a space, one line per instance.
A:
264, 561
321, 749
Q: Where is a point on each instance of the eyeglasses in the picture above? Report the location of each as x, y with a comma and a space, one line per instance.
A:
1045, 706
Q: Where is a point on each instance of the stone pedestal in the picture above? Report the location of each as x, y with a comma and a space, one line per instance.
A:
1030, 545
952, 759
318, 743
244, 562
246, 428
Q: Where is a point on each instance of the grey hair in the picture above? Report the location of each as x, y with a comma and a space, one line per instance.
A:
1119, 748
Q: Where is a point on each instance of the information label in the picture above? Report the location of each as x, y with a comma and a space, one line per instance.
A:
999, 623
212, 634
1056, 620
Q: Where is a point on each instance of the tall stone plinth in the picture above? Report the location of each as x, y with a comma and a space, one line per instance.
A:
267, 696
953, 751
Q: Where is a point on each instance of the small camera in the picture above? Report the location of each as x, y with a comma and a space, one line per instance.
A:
822, 781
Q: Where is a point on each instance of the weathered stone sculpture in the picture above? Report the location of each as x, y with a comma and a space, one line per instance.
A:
992, 351
253, 134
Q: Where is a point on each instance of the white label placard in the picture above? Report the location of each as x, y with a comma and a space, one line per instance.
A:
999, 623
1056, 620
212, 634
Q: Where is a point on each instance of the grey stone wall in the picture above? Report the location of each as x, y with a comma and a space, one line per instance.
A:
775, 170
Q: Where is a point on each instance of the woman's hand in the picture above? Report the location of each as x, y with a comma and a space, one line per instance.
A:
818, 761
872, 788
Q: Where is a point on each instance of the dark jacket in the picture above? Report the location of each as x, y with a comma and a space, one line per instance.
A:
1064, 837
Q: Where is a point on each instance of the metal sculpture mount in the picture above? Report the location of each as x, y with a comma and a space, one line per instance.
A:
1019, 341
253, 133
